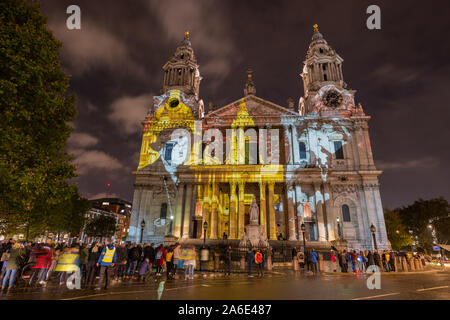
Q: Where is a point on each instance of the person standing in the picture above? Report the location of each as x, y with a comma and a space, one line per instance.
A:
259, 258
228, 255
159, 257
106, 261
149, 252
169, 264
370, 260
121, 263
68, 262
392, 261
91, 267
250, 260
176, 258
314, 260
333, 260
84, 258
377, 259
344, 261
133, 259
11, 268
189, 260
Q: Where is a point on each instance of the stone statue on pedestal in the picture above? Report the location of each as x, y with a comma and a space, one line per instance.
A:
254, 213
254, 233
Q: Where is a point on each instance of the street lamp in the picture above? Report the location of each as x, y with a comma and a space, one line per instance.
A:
142, 229
338, 220
205, 227
304, 241
373, 229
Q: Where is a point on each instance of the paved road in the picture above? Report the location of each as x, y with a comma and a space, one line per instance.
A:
285, 285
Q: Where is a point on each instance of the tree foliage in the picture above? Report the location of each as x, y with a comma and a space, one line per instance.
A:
397, 233
425, 216
101, 226
34, 110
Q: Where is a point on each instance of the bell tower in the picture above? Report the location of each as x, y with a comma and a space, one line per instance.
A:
181, 71
322, 68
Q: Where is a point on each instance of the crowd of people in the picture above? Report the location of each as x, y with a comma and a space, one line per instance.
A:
97, 264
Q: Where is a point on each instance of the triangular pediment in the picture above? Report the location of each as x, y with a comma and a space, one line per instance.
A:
256, 107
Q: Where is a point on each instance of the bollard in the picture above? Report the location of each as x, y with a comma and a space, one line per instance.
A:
295, 263
242, 263
416, 264
269, 263
411, 264
404, 264
321, 263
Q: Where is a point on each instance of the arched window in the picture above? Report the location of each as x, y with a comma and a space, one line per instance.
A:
345, 213
163, 214
302, 147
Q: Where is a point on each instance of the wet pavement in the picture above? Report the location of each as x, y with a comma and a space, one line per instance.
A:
277, 285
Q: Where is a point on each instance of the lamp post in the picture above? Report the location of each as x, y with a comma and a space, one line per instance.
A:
373, 229
204, 253
205, 227
338, 220
142, 229
303, 232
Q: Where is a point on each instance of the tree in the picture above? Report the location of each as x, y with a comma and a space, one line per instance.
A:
34, 110
425, 216
397, 233
101, 226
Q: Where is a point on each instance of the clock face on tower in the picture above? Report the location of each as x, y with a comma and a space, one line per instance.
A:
332, 98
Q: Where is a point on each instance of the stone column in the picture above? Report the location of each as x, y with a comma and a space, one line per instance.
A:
331, 219
214, 211
144, 208
291, 212
187, 211
319, 211
272, 224
241, 210
134, 219
295, 146
178, 211
262, 206
241, 146
288, 136
232, 210
205, 208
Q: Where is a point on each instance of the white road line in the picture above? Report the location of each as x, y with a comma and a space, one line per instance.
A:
434, 288
377, 296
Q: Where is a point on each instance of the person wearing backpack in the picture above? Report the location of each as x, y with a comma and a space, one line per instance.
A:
160, 255
259, 258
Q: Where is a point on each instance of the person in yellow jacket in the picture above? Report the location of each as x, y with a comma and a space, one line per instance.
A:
106, 262
68, 262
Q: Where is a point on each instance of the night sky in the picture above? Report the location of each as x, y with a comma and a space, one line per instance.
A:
401, 74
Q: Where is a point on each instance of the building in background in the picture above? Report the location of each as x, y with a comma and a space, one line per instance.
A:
310, 169
118, 209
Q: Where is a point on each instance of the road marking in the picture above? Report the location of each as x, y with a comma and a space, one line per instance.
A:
434, 288
377, 296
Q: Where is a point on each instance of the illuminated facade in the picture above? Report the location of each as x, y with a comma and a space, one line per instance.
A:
313, 166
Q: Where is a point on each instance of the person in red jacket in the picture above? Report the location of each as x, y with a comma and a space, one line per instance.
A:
159, 257
44, 258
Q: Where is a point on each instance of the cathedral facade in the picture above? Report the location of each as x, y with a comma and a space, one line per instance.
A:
310, 171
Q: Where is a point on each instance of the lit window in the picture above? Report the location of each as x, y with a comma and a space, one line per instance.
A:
168, 151
163, 213
345, 213
302, 147
339, 152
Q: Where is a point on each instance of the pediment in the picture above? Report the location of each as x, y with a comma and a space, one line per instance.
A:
256, 107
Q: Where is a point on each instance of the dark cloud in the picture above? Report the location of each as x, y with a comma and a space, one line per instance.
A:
400, 72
